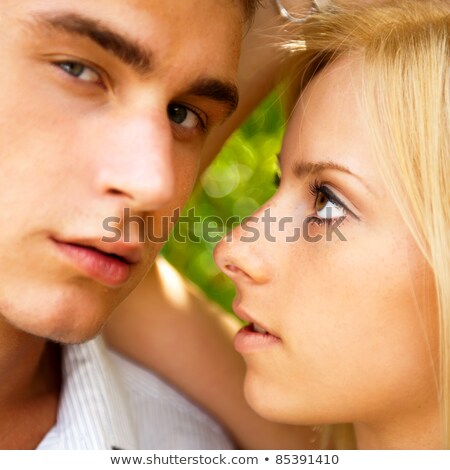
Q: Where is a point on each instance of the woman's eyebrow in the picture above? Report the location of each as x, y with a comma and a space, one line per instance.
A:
303, 169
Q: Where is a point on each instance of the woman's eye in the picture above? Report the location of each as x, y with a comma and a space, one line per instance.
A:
80, 71
184, 117
327, 209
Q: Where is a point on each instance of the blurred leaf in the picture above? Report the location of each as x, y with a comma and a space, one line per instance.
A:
239, 181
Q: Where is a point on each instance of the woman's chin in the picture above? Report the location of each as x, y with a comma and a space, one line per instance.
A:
268, 402
278, 403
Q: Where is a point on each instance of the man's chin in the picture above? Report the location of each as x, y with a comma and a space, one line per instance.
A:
66, 331
78, 336
76, 324
68, 311
66, 323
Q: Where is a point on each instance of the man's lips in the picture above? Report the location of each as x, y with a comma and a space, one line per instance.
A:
110, 264
126, 252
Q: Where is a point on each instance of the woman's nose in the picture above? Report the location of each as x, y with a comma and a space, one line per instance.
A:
243, 257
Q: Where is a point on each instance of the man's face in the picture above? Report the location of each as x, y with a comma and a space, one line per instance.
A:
104, 105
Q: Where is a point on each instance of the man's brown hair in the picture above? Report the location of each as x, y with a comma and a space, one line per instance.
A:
250, 7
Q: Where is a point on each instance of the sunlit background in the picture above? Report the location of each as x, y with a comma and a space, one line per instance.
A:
237, 183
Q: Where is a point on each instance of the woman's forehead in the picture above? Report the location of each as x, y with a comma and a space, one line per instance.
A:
330, 121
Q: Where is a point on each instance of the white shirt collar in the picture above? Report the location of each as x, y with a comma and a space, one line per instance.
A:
93, 410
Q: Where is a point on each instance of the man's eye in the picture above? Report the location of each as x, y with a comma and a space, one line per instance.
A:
184, 116
80, 71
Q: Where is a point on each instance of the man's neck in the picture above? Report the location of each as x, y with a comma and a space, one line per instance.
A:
30, 369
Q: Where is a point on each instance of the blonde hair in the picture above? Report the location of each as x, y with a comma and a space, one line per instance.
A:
404, 47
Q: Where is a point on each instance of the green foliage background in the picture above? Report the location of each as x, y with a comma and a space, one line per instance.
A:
238, 182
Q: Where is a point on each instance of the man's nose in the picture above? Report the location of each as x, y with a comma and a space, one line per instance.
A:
136, 161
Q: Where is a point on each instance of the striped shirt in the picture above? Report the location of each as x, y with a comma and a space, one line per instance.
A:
108, 402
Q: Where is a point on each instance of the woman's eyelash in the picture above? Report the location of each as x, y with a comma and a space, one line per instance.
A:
317, 188
277, 178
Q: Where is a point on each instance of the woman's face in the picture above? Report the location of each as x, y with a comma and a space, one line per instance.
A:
347, 302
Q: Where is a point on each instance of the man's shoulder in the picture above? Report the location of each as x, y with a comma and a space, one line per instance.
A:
107, 402
164, 417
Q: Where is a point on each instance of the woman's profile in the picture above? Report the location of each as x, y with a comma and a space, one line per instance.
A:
352, 325
348, 299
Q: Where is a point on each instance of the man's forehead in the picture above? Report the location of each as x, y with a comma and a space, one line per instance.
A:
136, 10
210, 28
203, 71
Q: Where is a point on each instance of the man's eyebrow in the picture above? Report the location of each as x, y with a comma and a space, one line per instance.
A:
124, 48
217, 90
133, 54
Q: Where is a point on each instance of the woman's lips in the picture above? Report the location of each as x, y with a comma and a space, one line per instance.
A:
108, 269
251, 339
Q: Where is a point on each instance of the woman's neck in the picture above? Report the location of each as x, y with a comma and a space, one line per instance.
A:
419, 430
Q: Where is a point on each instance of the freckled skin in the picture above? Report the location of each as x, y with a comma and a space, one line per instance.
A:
356, 317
